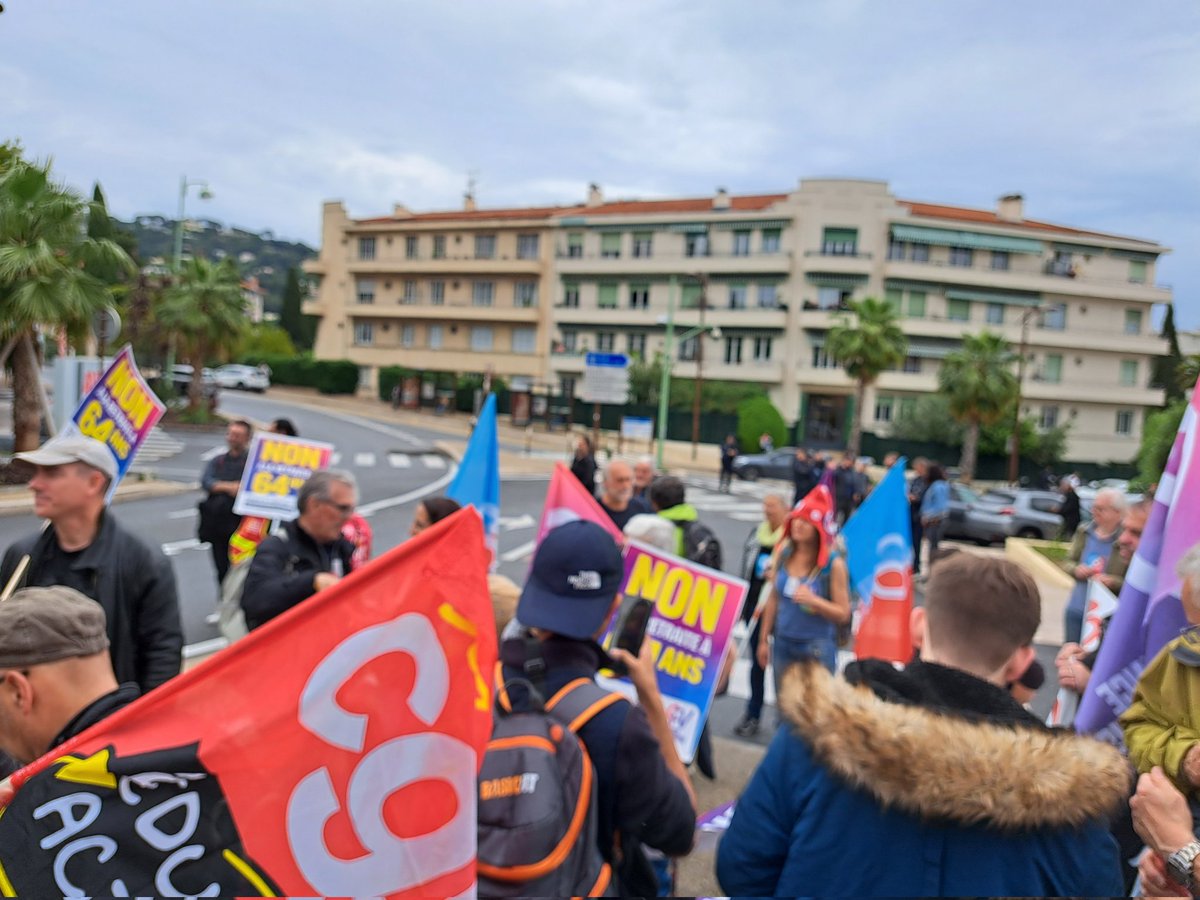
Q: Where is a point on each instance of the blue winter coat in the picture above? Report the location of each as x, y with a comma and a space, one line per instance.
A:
865, 797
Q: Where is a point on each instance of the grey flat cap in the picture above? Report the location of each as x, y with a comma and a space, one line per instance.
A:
46, 624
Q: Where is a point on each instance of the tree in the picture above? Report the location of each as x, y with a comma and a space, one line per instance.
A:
46, 277
867, 347
645, 380
266, 340
1169, 372
206, 310
757, 416
1158, 436
300, 328
980, 388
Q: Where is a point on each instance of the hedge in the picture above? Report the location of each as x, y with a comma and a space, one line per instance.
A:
329, 376
755, 417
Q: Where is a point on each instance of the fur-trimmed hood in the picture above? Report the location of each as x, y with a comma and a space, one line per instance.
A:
939, 765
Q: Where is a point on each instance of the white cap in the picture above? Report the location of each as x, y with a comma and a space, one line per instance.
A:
69, 448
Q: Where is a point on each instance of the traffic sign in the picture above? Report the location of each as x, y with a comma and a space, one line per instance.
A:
606, 378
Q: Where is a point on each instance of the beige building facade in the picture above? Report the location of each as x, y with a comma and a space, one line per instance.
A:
774, 272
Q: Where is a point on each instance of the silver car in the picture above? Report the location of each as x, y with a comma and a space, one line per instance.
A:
1002, 513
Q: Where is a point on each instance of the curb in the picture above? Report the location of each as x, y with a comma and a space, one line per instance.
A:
1021, 551
22, 504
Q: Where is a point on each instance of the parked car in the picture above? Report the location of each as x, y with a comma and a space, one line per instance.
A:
181, 380
1003, 513
242, 378
962, 498
773, 464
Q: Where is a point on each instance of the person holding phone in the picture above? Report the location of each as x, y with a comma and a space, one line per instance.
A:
810, 591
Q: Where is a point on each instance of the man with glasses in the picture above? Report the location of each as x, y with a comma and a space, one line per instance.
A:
308, 555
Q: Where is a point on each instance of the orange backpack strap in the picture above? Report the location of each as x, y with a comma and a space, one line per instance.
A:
580, 702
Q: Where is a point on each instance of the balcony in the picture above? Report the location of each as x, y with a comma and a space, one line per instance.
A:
768, 318
452, 264
1110, 393
455, 310
1035, 281
674, 264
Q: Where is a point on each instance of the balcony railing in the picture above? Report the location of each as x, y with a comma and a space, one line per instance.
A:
850, 254
565, 253
1049, 267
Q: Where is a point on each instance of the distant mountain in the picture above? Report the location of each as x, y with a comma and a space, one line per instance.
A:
257, 253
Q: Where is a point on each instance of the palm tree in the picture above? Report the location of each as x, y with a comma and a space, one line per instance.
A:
866, 348
205, 308
981, 388
46, 260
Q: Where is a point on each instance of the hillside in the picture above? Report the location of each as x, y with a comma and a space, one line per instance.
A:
258, 254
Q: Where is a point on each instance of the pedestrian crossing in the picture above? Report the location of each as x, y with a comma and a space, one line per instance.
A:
158, 445
742, 504
393, 459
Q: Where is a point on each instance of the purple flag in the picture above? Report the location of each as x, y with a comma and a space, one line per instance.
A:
1150, 614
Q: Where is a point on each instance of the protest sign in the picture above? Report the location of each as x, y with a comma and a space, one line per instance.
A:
568, 500
119, 411
276, 467
689, 630
1101, 604
334, 751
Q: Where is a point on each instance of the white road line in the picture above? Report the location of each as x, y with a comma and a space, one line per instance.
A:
174, 548
433, 461
212, 453
182, 513
747, 516
335, 458
400, 460
369, 509
203, 648
519, 552
364, 459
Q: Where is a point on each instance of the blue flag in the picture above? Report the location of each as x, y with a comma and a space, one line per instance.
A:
477, 481
879, 558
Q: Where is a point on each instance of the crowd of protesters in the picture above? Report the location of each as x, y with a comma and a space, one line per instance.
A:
927, 779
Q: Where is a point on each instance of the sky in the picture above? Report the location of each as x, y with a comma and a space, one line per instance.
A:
1090, 108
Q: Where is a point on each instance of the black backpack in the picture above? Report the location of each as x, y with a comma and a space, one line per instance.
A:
700, 545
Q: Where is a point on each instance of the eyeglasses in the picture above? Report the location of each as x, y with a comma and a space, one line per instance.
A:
345, 509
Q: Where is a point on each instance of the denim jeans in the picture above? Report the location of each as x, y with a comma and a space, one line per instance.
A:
788, 651
1072, 624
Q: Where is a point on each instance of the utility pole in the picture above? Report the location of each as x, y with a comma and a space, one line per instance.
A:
699, 384
664, 388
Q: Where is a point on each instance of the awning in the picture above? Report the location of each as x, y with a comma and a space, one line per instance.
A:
949, 237
1009, 298
846, 280
905, 285
688, 227
930, 349
756, 223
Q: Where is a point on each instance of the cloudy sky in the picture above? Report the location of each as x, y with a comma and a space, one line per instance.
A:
1091, 108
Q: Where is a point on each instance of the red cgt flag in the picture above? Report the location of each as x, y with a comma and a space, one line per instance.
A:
333, 751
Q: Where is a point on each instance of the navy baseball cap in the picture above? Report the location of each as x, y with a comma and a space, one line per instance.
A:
575, 576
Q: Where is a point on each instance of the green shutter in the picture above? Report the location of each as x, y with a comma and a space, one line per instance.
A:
690, 297
610, 243
958, 310
916, 304
895, 298
1052, 370
840, 236
608, 296
1137, 271
574, 239
1129, 369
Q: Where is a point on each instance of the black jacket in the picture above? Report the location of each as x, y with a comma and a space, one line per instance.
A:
584, 468
135, 584
282, 571
1070, 512
96, 711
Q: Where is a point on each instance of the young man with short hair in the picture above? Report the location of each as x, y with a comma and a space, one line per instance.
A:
931, 781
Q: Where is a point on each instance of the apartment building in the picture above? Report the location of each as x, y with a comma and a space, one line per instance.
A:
772, 273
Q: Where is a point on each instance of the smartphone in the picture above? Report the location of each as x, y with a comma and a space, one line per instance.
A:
633, 617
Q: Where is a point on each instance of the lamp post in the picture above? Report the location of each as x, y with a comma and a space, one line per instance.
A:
177, 257
664, 389
1014, 450
699, 385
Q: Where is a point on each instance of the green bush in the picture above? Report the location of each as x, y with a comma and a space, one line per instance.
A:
335, 376
390, 376
1158, 436
756, 416
329, 376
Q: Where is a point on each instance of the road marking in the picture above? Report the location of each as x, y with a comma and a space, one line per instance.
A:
335, 458
513, 523
433, 461
369, 509
519, 552
747, 516
174, 548
213, 453
203, 648
182, 513
400, 460
364, 459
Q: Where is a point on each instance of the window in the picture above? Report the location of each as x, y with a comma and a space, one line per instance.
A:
481, 338
527, 246
733, 351
1133, 321
410, 246
607, 296
639, 296
408, 335
830, 297
435, 337
439, 246
482, 293
485, 246
916, 304
643, 243
1000, 260
566, 385
574, 245
690, 298
437, 293
687, 350
771, 240
1063, 264
896, 249
822, 360
1049, 418
570, 295
958, 310
1125, 421
920, 253
1128, 373
741, 243
883, 408
1055, 317
995, 313
569, 341
366, 248
912, 365
961, 256
524, 340
768, 296
366, 291
635, 345
839, 242
1137, 271
410, 293
696, 244
364, 334
606, 341
1052, 368
894, 298
525, 294
610, 245
762, 349
737, 296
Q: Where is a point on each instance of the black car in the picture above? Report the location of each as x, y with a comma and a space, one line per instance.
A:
772, 464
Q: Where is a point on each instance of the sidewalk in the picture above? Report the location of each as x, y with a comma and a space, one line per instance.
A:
16, 500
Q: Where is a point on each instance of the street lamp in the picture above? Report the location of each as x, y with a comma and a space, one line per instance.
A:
1014, 452
664, 390
205, 194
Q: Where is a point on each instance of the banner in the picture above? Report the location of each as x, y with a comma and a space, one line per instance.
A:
568, 500
119, 412
690, 627
477, 482
332, 752
879, 558
1101, 604
276, 466
1149, 614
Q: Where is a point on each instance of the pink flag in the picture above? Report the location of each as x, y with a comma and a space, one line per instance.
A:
568, 500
